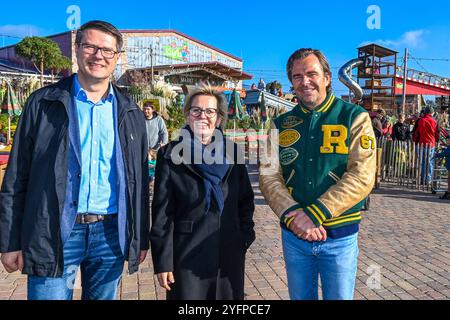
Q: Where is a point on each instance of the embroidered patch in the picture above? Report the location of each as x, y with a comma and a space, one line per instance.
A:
289, 137
291, 121
287, 156
367, 142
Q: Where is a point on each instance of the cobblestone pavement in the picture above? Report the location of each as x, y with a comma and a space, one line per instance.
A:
404, 253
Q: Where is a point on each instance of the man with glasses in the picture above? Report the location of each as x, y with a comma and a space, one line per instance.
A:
75, 193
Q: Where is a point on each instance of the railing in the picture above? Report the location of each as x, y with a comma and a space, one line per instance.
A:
410, 164
271, 100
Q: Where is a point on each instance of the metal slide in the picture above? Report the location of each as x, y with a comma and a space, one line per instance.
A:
345, 77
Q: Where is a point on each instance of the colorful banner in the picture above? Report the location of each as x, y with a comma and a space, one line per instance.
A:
177, 52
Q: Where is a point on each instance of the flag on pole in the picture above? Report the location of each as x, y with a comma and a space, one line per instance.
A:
235, 110
11, 106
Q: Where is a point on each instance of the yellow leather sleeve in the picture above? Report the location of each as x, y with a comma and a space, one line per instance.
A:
357, 182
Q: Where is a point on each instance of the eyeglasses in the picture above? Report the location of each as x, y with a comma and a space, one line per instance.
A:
209, 112
107, 53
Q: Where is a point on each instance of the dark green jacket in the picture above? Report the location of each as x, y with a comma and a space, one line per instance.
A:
323, 161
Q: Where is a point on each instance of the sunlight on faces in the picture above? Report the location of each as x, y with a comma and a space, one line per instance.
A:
309, 81
202, 126
94, 67
148, 111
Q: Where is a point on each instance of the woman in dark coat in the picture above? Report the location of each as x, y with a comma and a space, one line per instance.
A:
202, 212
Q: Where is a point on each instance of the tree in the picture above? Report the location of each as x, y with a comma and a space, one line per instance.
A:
42, 52
58, 64
273, 86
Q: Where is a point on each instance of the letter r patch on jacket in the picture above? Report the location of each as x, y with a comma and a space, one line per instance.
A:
334, 138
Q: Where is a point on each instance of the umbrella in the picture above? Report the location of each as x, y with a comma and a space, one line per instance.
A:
11, 106
235, 110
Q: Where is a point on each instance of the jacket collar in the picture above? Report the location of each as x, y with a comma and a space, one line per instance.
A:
323, 107
61, 91
80, 93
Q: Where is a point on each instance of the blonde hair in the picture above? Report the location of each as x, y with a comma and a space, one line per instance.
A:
208, 90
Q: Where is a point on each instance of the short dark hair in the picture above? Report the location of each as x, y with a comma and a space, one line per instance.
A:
303, 53
428, 110
101, 26
148, 104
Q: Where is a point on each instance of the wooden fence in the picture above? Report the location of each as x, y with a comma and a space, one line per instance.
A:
406, 163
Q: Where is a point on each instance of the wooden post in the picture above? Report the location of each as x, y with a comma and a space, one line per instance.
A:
405, 71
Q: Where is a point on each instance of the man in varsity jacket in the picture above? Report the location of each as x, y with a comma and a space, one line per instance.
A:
318, 169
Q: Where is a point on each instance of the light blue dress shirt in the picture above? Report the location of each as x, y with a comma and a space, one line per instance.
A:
99, 181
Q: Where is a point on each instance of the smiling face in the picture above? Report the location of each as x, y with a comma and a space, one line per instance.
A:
309, 81
148, 111
202, 125
94, 68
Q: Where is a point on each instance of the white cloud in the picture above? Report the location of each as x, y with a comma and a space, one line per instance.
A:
411, 39
20, 30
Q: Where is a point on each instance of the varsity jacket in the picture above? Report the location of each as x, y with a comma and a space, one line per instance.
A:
323, 162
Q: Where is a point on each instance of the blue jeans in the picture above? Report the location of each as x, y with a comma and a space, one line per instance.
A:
335, 260
95, 248
426, 153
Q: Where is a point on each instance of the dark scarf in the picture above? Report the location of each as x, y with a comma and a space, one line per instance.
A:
212, 174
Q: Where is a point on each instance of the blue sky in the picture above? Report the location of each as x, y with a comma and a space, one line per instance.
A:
263, 33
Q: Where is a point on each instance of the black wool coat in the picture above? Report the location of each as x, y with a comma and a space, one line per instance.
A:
206, 252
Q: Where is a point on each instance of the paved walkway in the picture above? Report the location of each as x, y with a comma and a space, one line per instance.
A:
404, 253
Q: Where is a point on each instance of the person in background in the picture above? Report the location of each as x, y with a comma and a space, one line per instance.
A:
151, 164
157, 134
387, 130
426, 134
445, 153
377, 125
280, 92
151, 171
261, 84
400, 131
